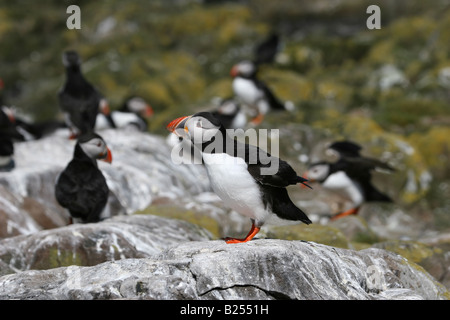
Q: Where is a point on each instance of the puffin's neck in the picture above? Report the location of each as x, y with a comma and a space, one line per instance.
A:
74, 77
80, 155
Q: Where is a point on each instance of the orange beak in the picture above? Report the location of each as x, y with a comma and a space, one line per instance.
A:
258, 119
10, 114
177, 124
108, 157
234, 71
305, 176
148, 112
104, 107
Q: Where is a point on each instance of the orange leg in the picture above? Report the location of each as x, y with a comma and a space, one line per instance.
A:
253, 231
258, 119
73, 136
345, 213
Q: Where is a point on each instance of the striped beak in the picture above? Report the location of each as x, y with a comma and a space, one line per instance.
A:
148, 111
177, 126
234, 71
303, 184
108, 156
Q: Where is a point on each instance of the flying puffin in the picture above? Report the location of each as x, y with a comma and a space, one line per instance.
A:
79, 100
81, 187
230, 114
350, 176
237, 173
8, 134
251, 91
133, 114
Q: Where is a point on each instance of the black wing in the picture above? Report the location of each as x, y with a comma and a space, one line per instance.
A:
260, 163
361, 167
360, 170
273, 101
346, 148
280, 203
40, 129
273, 185
82, 109
284, 176
82, 189
266, 51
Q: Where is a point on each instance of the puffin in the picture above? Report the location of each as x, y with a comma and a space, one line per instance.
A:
133, 114
79, 100
251, 91
8, 134
30, 130
37, 130
350, 176
238, 174
81, 187
230, 114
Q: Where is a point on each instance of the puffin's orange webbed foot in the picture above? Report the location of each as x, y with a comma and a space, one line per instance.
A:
353, 211
253, 231
258, 119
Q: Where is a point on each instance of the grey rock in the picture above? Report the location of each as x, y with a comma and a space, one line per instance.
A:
120, 237
24, 215
210, 270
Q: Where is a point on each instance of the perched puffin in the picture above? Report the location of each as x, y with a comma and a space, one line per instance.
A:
133, 114
79, 100
251, 91
237, 173
230, 114
37, 130
81, 188
8, 134
31, 130
350, 176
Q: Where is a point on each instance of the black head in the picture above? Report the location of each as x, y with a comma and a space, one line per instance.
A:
94, 147
346, 148
200, 128
208, 116
71, 59
266, 51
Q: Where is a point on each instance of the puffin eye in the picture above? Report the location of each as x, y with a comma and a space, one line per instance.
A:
199, 124
99, 144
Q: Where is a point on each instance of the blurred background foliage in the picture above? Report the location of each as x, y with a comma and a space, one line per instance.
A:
387, 89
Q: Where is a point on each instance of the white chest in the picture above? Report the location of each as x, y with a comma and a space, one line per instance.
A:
246, 90
239, 121
231, 181
340, 183
121, 119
